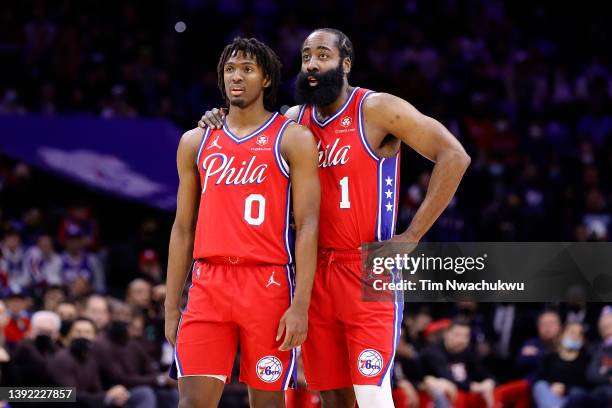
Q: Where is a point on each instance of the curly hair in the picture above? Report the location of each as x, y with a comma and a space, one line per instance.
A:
266, 59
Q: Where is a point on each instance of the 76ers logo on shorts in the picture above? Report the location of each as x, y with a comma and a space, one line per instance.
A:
269, 369
370, 363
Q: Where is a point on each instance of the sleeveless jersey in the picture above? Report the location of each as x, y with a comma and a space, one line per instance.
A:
246, 196
358, 188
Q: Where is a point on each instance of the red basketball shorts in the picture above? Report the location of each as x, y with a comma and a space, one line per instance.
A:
231, 304
350, 341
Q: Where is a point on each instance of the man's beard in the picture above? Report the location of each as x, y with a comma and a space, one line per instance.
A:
237, 102
325, 92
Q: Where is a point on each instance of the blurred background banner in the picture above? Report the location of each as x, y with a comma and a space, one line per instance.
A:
131, 158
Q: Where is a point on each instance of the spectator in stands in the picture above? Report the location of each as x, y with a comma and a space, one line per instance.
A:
473, 313
97, 310
54, 295
81, 217
599, 371
12, 254
123, 360
549, 330
31, 226
81, 271
434, 332
138, 296
459, 371
75, 366
415, 325
32, 355
560, 379
120, 310
66, 311
42, 265
18, 317
150, 267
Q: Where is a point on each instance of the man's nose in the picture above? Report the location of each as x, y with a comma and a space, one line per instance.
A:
312, 66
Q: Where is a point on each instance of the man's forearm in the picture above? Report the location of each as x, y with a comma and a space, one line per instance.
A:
445, 179
179, 258
306, 263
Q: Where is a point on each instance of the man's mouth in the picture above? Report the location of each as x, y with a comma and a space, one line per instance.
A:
312, 81
235, 91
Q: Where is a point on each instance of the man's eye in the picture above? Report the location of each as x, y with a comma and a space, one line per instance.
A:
305, 57
323, 56
248, 69
229, 69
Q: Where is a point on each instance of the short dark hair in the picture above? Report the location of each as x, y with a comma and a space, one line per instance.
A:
548, 311
344, 44
266, 59
80, 319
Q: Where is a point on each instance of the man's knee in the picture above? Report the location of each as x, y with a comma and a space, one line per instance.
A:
261, 399
342, 398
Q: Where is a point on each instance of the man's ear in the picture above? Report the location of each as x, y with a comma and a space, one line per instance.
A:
346, 65
267, 82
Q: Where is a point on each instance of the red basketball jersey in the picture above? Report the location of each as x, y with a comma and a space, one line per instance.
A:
246, 196
358, 188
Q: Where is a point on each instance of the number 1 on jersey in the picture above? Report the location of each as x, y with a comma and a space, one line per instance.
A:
261, 210
344, 187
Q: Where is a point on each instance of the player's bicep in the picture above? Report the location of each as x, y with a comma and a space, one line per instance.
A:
188, 194
424, 134
300, 151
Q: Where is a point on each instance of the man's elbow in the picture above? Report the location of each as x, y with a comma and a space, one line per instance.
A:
309, 225
458, 157
464, 159
182, 230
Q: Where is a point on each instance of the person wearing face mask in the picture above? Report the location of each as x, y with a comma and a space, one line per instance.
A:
33, 354
123, 361
560, 379
75, 366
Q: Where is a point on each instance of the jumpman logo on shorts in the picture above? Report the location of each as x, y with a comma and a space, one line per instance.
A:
215, 143
271, 281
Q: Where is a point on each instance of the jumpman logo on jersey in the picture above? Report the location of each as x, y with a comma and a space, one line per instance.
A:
215, 143
271, 281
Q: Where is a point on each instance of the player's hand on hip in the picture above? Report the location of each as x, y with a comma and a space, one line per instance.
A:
213, 118
171, 322
294, 324
400, 244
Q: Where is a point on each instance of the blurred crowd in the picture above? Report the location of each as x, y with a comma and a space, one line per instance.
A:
526, 88
82, 307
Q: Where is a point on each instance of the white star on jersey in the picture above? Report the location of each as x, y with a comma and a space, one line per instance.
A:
389, 193
389, 181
